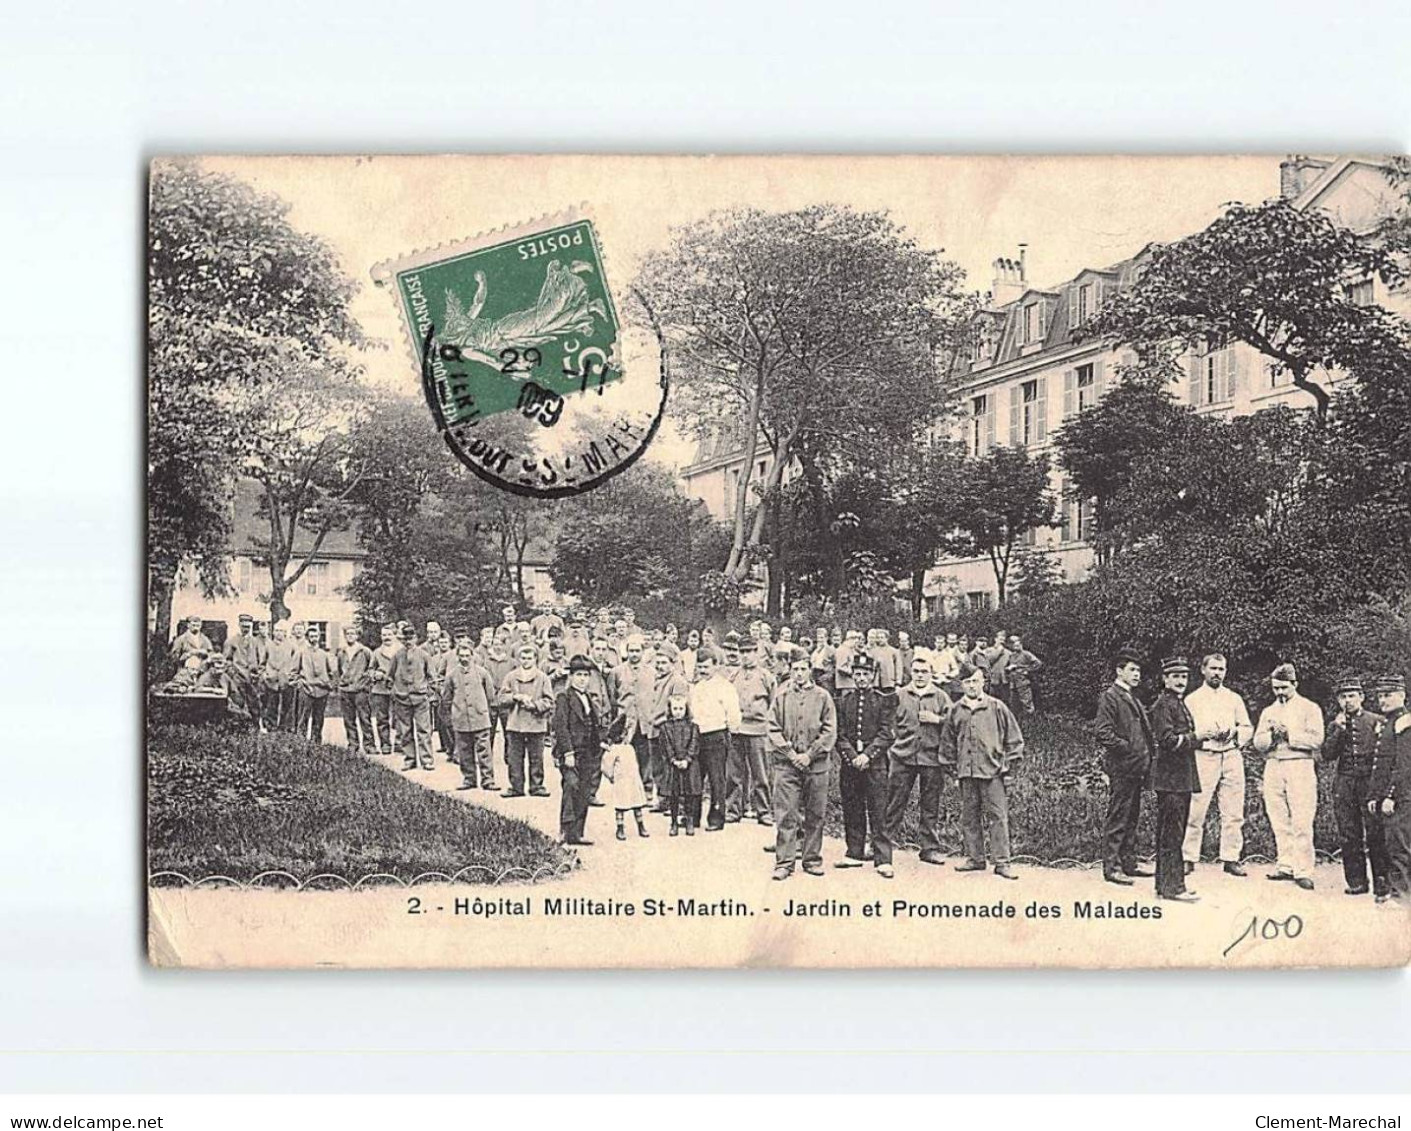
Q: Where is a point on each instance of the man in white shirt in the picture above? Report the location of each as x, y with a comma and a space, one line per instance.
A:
715, 709
1223, 730
1290, 735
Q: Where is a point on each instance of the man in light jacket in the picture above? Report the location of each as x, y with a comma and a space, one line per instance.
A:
527, 700
1222, 731
981, 738
466, 696
747, 771
354, 662
803, 727
1290, 736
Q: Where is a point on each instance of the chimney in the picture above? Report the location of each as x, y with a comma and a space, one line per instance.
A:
1009, 279
1297, 172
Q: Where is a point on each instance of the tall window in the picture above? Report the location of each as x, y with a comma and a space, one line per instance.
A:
1085, 302
1085, 385
979, 600
982, 425
1032, 333
316, 580
1029, 421
985, 340
244, 575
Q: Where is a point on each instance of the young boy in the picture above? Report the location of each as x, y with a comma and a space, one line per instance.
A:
527, 699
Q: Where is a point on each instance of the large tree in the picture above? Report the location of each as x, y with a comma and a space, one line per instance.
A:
1000, 497
816, 330
232, 288
1272, 276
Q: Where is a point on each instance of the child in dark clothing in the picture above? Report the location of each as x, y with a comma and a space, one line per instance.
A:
680, 753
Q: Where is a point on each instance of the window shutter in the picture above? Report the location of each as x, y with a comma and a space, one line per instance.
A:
1016, 406
1193, 363
1070, 393
1043, 320
1073, 309
1041, 411
1067, 513
991, 413
1099, 379
1233, 373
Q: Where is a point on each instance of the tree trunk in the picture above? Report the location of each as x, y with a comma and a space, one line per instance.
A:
737, 544
1321, 400
918, 582
161, 593
776, 557
278, 610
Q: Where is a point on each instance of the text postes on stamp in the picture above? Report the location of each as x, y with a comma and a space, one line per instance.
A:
534, 382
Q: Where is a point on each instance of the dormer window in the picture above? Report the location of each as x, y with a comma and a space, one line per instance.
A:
985, 340
1033, 316
1085, 302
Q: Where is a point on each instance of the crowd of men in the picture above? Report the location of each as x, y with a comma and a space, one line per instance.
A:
769, 714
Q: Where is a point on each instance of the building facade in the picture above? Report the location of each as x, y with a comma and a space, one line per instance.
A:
1025, 376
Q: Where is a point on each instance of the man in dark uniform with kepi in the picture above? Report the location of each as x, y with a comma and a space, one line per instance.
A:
865, 717
1174, 777
580, 733
1124, 732
1389, 795
1351, 742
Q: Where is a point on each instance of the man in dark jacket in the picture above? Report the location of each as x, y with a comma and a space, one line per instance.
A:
1389, 794
579, 737
1174, 777
1124, 732
1351, 742
865, 717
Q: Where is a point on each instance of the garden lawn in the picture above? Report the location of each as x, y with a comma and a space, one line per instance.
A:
232, 803
1058, 802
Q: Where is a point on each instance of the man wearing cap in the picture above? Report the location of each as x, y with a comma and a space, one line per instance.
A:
379, 692
543, 621
245, 658
1174, 778
1021, 668
281, 697
865, 719
915, 757
466, 693
747, 769
1352, 744
577, 642
1290, 736
1222, 731
1128, 748
982, 739
889, 670
803, 727
189, 641
410, 684
1389, 794
580, 734
354, 662
314, 678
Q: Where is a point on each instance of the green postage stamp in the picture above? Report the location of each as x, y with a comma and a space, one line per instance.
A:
526, 366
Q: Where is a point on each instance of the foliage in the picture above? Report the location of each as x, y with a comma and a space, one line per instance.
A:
817, 329
223, 801
999, 497
1272, 276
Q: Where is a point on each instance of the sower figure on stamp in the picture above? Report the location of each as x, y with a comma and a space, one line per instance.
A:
915, 759
865, 720
466, 696
981, 737
1174, 778
1124, 733
580, 736
803, 727
354, 662
1222, 731
410, 683
1389, 794
1352, 744
1290, 736
528, 702
245, 655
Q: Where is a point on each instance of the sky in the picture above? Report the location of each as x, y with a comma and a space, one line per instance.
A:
1071, 212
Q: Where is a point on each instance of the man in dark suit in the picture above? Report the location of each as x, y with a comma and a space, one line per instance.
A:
1174, 777
1124, 732
579, 737
865, 717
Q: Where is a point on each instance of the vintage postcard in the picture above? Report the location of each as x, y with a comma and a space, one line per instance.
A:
778, 561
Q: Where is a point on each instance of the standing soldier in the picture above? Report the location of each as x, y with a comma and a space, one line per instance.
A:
1021, 668
981, 737
803, 727
281, 696
1124, 732
410, 684
865, 718
915, 756
1290, 736
466, 694
1389, 795
1222, 730
1352, 744
354, 662
314, 678
580, 734
379, 692
245, 658
436, 664
577, 642
747, 770
527, 701
1174, 778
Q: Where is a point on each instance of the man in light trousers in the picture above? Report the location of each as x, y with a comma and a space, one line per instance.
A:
1290, 736
1222, 730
